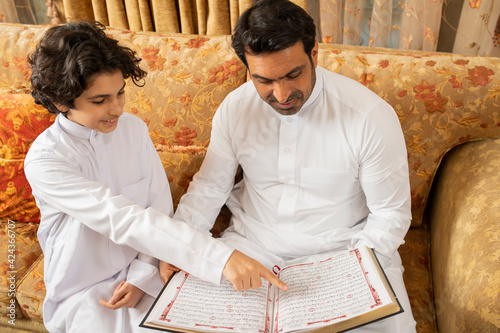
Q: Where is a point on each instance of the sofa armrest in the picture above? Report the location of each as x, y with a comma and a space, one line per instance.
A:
465, 232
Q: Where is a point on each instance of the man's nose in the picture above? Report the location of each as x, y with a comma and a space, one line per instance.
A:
281, 91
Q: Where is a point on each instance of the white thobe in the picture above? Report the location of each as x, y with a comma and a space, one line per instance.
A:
332, 176
105, 207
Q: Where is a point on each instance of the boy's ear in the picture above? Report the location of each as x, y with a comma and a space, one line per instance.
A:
61, 107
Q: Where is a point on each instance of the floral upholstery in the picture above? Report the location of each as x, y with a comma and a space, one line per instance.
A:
15, 258
188, 77
442, 101
468, 302
22, 120
31, 291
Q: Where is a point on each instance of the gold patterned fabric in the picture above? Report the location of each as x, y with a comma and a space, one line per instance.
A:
188, 77
30, 292
19, 249
466, 239
22, 121
180, 169
442, 101
418, 278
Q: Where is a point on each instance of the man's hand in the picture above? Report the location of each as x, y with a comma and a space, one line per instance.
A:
245, 273
166, 271
125, 294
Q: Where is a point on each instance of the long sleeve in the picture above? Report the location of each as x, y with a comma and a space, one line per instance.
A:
383, 174
56, 183
212, 184
143, 271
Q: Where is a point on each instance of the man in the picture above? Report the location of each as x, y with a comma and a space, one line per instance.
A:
323, 158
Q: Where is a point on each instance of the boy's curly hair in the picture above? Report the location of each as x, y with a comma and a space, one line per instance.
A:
69, 55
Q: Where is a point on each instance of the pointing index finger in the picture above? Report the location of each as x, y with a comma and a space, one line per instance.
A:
266, 274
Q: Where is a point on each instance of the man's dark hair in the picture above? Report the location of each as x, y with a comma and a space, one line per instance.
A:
273, 25
69, 55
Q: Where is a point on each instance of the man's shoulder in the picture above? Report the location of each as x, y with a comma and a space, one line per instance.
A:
349, 92
335, 81
244, 92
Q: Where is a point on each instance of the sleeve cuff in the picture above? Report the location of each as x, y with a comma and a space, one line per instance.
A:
218, 254
145, 276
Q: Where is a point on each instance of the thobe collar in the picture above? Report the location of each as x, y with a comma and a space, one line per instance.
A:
75, 129
318, 87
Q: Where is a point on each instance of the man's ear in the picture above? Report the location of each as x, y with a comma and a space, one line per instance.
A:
61, 107
314, 54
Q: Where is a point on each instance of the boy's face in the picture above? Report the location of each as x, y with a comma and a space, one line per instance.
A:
284, 79
101, 104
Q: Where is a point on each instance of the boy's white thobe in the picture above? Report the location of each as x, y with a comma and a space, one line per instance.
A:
105, 204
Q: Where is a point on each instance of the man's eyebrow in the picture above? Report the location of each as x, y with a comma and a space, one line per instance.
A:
296, 69
105, 95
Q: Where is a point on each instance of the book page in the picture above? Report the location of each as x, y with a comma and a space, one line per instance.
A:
326, 292
203, 306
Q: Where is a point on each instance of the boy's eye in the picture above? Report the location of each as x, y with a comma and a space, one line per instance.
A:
98, 102
121, 92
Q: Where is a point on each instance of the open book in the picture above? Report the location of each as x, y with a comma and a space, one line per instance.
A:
346, 291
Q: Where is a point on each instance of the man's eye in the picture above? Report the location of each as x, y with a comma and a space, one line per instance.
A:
294, 75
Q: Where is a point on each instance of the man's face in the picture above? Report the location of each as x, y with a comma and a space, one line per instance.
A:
284, 79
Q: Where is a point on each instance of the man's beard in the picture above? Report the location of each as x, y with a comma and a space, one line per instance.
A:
296, 95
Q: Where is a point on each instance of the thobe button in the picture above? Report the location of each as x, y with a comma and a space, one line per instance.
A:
289, 119
286, 180
289, 195
287, 150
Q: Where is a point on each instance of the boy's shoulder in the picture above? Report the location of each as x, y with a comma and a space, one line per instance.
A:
132, 120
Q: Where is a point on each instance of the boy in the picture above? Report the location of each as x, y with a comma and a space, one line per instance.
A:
103, 194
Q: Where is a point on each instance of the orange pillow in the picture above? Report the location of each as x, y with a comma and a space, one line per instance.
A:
21, 121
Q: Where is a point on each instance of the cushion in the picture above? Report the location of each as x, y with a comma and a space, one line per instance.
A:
441, 99
30, 292
180, 163
465, 238
188, 78
22, 121
417, 277
15, 257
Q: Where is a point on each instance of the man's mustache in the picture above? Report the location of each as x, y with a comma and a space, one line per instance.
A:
293, 95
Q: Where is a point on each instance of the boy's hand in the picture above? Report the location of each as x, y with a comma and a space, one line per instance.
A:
125, 294
166, 271
245, 273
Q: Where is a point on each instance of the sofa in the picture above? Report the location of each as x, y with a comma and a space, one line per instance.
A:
448, 106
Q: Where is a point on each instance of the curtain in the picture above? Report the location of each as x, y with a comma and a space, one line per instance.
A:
476, 30
410, 24
19, 11
204, 17
458, 26
406, 24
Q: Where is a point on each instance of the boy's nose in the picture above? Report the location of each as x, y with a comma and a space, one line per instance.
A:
116, 108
